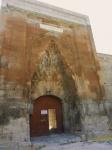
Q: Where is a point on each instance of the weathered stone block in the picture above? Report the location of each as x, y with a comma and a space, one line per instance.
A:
102, 126
24, 145
5, 138
104, 119
102, 133
2, 93
89, 120
9, 147
90, 127
89, 135
83, 138
110, 124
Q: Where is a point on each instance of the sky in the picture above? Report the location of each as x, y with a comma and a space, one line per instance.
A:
100, 15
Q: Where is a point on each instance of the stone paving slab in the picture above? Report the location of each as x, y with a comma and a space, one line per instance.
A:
80, 146
67, 142
59, 139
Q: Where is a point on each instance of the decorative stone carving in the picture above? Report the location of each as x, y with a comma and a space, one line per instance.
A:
53, 69
53, 77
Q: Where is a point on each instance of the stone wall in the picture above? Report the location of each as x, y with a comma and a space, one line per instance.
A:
106, 68
48, 50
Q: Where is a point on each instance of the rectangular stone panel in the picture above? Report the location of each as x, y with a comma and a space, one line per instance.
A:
51, 28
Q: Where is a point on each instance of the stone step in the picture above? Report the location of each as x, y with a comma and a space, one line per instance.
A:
54, 139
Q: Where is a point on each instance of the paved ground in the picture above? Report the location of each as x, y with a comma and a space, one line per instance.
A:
68, 142
56, 138
80, 146
62, 142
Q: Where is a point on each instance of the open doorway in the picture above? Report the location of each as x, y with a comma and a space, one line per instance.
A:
52, 121
47, 116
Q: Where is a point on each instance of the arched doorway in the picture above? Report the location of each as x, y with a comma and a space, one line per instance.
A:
46, 117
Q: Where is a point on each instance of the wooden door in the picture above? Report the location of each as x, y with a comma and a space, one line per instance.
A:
39, 121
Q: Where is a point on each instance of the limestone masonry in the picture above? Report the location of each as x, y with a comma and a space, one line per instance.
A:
46, 50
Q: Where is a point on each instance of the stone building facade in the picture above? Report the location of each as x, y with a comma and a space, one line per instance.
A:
106, 69
49, 51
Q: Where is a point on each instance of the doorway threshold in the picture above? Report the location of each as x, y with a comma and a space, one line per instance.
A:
54, 138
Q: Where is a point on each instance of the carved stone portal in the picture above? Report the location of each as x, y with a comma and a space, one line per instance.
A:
53, 77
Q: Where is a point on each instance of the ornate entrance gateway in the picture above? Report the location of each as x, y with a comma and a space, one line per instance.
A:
47, 116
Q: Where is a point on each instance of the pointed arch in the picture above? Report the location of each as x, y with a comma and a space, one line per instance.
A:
42, 41
53, 75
